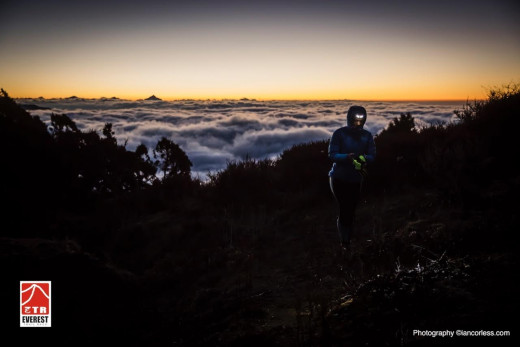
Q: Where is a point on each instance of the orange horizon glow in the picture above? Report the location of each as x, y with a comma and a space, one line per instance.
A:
172, 99
420, 97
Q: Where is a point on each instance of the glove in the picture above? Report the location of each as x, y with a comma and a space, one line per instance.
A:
359, 162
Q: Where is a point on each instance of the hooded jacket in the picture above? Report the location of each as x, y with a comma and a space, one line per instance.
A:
347, 140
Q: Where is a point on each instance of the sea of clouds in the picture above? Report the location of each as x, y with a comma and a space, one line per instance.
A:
213, 132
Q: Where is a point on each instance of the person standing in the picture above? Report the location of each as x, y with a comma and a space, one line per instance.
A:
351, 148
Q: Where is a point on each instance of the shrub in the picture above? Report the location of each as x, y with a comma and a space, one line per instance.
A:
465, 159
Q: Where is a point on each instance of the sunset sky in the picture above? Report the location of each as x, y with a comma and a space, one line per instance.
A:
269, 49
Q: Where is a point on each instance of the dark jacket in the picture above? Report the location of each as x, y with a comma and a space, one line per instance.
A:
350, 140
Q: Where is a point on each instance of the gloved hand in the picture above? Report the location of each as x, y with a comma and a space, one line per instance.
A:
359, 162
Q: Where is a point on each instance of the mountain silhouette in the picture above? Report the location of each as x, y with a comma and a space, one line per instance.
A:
154, 98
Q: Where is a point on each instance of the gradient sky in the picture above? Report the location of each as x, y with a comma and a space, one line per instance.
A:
269, 49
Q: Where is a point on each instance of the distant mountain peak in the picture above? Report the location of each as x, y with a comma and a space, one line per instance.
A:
153, 97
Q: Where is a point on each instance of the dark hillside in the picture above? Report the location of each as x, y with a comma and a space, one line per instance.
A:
251, 257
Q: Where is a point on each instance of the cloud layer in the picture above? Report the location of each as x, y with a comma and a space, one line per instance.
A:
214, 132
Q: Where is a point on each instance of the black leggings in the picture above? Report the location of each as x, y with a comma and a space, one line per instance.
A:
347, 196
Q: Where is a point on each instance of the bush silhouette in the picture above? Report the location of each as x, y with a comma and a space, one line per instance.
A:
465, 159
305, 167
398, 151
60, 168
245, 182
171, 159
402, 125
28, 182
62, 124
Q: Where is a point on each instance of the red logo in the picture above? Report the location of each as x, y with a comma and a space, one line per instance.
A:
35, 303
